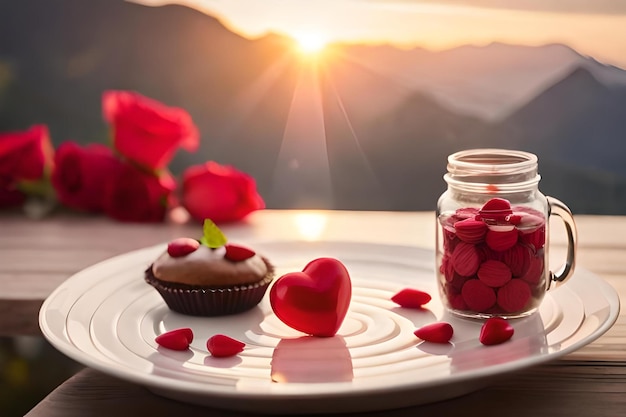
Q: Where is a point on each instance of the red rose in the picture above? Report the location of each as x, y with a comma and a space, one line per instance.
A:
80, 174
146, 131
220, 193
133, 195
25, 156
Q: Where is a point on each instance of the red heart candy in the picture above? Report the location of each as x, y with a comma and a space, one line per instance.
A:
182, 246
477, 295
514, 219
178, 339
495, 330
514, 296
496, 209
222, 346
466, 213
314, 301
537, 238
465, 259
534, 273
494, 273
530, 222
501, 240
435, 332
518, 259
456, 301
237, 253
470, 230
411, 298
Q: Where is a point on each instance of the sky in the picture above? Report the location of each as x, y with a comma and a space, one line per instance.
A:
592, 27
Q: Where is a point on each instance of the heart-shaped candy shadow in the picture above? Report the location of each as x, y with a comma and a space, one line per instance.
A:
314, 301
312, 359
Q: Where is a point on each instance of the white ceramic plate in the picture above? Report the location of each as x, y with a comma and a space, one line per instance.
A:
107, 318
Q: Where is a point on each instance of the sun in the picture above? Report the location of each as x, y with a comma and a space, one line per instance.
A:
311, 43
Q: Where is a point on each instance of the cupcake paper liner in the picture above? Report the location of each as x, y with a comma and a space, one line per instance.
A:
210, 301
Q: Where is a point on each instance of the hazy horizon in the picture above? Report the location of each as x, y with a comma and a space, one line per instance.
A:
593, 28
348, 128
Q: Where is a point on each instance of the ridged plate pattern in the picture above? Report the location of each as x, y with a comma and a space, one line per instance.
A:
107, 317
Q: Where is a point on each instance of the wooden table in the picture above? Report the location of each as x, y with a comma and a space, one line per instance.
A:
37, 256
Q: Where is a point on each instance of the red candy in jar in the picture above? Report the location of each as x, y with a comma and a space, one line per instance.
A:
491, 235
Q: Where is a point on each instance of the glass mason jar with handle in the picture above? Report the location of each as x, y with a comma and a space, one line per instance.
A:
492, 235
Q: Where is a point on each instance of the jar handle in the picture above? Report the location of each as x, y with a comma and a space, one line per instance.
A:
566, 270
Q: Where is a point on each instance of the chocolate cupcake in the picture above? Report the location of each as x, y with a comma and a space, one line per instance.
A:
210, 277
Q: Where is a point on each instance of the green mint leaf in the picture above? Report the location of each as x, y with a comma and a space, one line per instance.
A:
213, 236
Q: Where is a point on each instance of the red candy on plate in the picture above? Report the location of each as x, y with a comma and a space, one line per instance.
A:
222, 346
494, 331
411, 298
440, 332
314, 301
178, 339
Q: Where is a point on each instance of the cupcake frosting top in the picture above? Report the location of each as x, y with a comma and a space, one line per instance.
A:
208, 267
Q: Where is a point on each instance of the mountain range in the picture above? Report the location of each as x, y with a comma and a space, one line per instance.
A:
369, 127
486, 81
